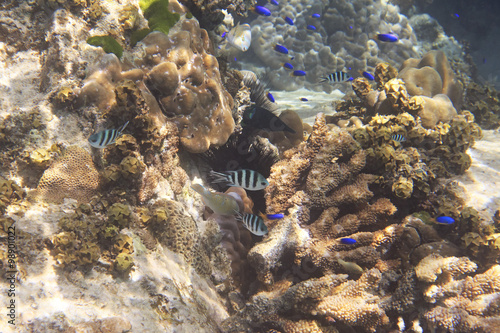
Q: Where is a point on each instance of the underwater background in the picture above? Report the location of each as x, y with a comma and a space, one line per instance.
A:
249, 166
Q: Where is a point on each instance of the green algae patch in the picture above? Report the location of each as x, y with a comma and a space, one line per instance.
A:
108, 44
158, 16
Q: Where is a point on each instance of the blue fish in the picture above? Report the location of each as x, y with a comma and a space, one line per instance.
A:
348, 241
398, 138
389, 38
275, 216
287, 65
275, 2
367, 75
262, 11
224, 34
445, 220
336, 77
311, 27
270, 97
106, 137
298, 73
288, 20
303, 99
252, 222
315, 15
280, 49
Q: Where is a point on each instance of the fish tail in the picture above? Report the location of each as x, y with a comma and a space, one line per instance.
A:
218, 177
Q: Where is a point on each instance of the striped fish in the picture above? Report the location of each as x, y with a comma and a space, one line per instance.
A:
248, 179
220, 203
106, 137
253, 222
398, 138
336, 77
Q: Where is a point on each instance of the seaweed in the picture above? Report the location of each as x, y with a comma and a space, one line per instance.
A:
108, 44
158, 16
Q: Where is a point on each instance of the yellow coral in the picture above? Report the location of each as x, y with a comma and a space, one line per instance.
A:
71, 176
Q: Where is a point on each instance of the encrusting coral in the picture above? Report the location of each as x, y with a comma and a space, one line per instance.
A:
176, 78
73, 176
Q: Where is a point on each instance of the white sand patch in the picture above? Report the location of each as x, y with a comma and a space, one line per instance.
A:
482, 180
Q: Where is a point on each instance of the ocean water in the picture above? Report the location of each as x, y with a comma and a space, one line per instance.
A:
375, 123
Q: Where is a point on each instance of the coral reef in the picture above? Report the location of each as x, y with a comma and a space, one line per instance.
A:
462, 304
342, 36
483, 102
431, 75
176, 78
73, 176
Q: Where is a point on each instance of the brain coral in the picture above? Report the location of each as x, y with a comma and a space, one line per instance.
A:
71, 176
182, 75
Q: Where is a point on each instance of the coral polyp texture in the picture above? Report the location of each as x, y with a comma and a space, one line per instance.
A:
175, 74
460, 300
343, 40
72, 176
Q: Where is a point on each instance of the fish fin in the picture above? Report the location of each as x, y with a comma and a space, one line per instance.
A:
120, 130
238, 216
219, 177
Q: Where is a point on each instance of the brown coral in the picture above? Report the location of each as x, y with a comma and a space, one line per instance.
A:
71, 176
430, 76
177, 78
467, 304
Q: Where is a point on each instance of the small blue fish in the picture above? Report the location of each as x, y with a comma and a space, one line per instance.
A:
303, 99
280, 49
288, 20
336, 77
311, 27
275, 2
367, 75
106, 137
275, 216
315, 15
398, 138
287, 65
252, 222
224, 34
262, 11
270, 97
348, 241
445, 220
248, 179
298, 73
389, 38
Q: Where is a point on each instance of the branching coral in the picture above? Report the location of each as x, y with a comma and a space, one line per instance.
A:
467, 304
331, 298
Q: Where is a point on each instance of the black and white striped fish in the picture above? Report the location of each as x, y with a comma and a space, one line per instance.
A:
336, 77
253, 222
106, 137
398, 138
248, 179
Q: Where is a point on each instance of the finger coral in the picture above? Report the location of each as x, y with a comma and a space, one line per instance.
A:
73, 176
464, 303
